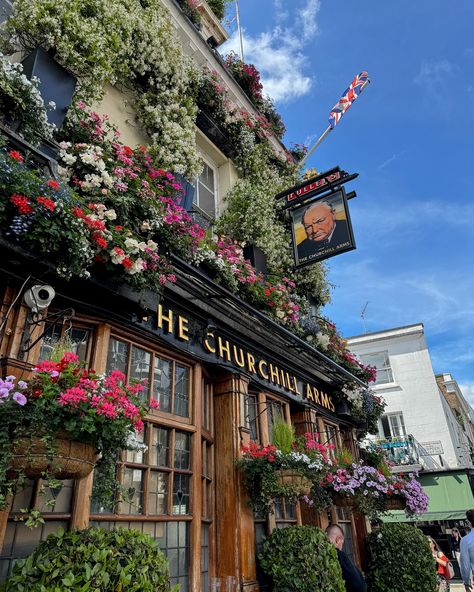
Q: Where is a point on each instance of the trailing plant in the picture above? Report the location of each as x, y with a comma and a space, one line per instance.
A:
21, 104
92, 559
400, 559
372, 487
260, 466
64, 397
120, 41
43, 215
301, 559
218, 7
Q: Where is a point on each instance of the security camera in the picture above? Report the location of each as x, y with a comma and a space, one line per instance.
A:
39, 297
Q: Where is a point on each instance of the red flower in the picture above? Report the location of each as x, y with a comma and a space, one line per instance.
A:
52, 183
127, 263
22, 203
46, 203
128, 151
16, 155
119, 228
99, 240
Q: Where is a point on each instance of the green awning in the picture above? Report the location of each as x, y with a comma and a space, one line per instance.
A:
450, 496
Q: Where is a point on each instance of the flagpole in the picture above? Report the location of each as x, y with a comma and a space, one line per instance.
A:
239, 29
318, 142
326, 132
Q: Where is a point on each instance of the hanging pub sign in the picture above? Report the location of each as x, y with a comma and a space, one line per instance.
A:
327, 181
321, 228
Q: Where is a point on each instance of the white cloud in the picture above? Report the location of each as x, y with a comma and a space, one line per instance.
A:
467, 389
308, 18
278, 54
388, 161
433, 73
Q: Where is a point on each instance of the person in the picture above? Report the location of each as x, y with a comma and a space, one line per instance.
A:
352, 576
466, 547
455, 543
441, 563
322, 229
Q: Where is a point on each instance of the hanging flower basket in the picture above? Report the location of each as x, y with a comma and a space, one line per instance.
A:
292, 477
70, 459
395, 503
343, 500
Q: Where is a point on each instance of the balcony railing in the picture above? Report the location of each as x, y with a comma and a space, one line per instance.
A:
403, 452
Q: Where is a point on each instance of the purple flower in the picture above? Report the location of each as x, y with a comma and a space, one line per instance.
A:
19, 398
54, 373
22, 384
4, 392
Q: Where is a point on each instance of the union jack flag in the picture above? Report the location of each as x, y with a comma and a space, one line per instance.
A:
349, 96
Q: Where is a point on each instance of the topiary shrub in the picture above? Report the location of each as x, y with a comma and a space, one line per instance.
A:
94, 560
301, 559
400, 560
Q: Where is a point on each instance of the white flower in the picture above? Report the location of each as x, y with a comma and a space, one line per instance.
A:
110, 214
132, 245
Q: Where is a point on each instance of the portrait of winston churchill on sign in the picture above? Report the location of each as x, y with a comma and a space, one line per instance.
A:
321, 229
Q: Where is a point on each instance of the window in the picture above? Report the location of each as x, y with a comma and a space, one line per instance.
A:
79, 338
251, 416
173, 539
392, 425
167, 380
329, 438
345, 522
275, 412
206, 191
382, 362
20, 541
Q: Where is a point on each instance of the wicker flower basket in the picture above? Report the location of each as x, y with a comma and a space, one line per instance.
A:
343, 500
71, 460
395, 503
292, 477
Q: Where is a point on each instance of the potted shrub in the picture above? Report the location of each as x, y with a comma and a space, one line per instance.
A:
93, 559
56, 424
289, 469
400, 559
301, 559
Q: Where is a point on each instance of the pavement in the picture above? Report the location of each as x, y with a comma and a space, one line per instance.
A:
457, 587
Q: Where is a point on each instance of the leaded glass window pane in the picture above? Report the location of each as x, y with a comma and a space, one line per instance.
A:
158, 493
181, 391
133, 491
181, 494
182, 451
117, 358
162, 383
160, 447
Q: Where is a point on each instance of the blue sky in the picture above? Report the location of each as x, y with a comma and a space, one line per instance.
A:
410, 136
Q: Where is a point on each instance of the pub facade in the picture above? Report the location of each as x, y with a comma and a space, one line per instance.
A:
221, 370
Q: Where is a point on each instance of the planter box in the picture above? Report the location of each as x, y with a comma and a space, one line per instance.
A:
343, 500
56, 82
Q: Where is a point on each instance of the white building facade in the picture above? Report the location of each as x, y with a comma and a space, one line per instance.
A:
416, 414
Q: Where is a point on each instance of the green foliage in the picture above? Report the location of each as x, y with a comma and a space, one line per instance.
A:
218, 7
301, 559
94, 560
400, 560
21, 104
127, 41
283, 435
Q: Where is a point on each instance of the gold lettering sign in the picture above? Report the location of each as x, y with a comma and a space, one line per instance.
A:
171, 322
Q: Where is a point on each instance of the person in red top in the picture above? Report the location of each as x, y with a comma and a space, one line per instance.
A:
441, 565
